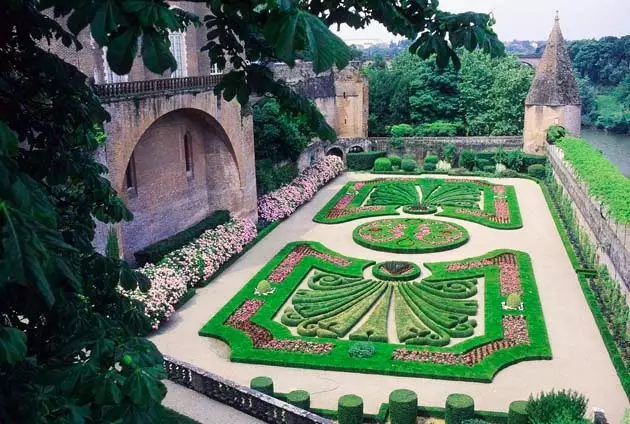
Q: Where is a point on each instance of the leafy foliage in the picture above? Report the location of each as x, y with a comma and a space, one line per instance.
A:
270, 177
552, 406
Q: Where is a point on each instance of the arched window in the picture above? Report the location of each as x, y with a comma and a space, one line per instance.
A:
188, 155
130, 178
178, 49
111, 76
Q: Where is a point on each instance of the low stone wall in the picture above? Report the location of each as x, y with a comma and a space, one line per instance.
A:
613, 239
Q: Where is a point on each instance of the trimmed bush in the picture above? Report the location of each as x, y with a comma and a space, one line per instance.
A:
429, 166
527, 160
467, 160
403, 406
549, 407
156, 251
489, 168
361, 350
299, 398
537, 171
409, 156
408, 165
431, 159
517, 414
363, 161
481, 163
395, 160
262, 384
350, 409
382, 164
513, 300
459, 408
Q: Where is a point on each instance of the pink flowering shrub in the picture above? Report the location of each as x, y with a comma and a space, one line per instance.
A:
283, 202
186, 267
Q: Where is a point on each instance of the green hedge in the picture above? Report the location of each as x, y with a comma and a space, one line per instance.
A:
262, 384
408, 165
517, 413
363, 161
395, 160
459, 408
403, 407
604, 180
350, 409
154, 252
382, 164
536, 171
299, 398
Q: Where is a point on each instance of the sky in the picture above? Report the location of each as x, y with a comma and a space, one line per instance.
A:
530, 19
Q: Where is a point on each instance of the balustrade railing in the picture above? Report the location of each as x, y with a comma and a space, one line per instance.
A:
251, 402
157, 86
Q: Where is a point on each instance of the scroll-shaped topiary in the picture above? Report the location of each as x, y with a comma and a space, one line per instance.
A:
403, 407
517, 414
382, 164
299, 398
459, 408
513, 301
350, 409
262, 384
396, 271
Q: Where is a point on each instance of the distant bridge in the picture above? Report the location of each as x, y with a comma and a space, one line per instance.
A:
530, 59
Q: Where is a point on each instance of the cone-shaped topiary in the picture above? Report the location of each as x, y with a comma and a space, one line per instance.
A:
459, 408
403, 406
262, 384
382, 164
350, 409
517, 414
396, 160
299, 398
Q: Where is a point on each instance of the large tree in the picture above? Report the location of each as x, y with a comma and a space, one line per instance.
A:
69, 345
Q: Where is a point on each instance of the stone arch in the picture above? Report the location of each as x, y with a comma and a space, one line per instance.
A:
171, 194
356, 149
335, 151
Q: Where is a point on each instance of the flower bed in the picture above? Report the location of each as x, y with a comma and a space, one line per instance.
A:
187, 267
283, 202
396, 271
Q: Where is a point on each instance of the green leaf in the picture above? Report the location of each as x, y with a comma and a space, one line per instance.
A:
12, 345
156, 54
80, 18
327, 49
143, 388
108, 391
8, 140
128, 279
280, 32
105, 21
122, 50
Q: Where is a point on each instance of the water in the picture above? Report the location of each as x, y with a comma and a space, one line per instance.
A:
616, 147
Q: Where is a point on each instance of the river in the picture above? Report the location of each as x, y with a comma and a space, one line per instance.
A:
616, 147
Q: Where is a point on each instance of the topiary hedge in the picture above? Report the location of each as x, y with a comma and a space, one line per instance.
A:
537, 171
262, 384
403, 407
431, 159
408, 165
396, 160
156, 251
429, 166
350, 409
363, 161
382, 164
299, 398
517, 413
459, 408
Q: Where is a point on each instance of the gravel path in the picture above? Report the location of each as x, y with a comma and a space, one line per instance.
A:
580, 361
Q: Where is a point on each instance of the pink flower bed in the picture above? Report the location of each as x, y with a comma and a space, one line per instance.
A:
283, 202
186, 267
286, 266
509, 277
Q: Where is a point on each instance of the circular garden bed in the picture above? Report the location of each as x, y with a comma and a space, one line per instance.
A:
396, 271
412, 235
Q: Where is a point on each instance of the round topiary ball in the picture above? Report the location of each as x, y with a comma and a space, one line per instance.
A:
458, 408
403, 406
517, 413
513, 301
262, 384
408, 165
536, 171
395, 160
382, 164
350, 409
429, 166
409, 156
299, 398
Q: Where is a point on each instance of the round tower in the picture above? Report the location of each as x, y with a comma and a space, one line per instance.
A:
554, 97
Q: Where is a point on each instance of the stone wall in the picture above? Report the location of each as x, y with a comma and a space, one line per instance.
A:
613, 239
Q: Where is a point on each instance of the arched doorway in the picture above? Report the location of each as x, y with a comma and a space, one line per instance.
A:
356, 149
182, 168
335, 151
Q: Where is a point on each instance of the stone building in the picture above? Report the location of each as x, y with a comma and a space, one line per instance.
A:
554, 97
175, 151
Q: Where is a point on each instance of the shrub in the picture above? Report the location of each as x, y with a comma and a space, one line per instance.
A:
270, 177
363, 161
448, 153
438, 129
156, 251
489, 168
513, 301
264, 287
467, 159
408, 165
489, 156
500, 156
395, 160
350, 409
443, 166
397, 142
537, 171
500, 168
429, 166
401, 130
299, 398
382, 164
517, 413
481, 163
555, 133
458, 408
431, 159
514, 160
403, 407
361, 350
262, 384
409, 156
548, 407
529, 160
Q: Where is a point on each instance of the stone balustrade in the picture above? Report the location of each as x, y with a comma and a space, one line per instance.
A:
164, 86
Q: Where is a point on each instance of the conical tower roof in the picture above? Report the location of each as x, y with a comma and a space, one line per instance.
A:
554, 84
